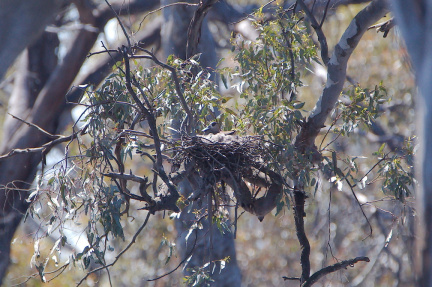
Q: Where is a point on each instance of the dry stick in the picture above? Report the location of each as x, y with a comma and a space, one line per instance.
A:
48, 134
120, 254
337, 171
372, 168
34, 275
361, 208
163, 7
329, 218
44, 148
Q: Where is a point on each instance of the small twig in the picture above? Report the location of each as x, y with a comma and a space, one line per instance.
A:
50, 135
361, 208
101, 52
177, 86
163, 7
181, 263
291, 278
45, 148
121, 25
325, 14
375, 165
34, 275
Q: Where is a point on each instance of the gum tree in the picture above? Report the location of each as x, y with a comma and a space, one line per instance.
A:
274, 162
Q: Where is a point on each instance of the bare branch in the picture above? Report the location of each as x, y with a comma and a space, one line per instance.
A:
45, 148
163, 7
333, 268
121, 25
49, 135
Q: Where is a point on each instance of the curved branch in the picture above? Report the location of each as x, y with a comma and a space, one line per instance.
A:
194, 31
333, 268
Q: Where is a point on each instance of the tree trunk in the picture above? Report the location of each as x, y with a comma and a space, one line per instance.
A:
174, 39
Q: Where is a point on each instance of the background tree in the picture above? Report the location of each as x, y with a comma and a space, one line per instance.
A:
299, 180
414, 22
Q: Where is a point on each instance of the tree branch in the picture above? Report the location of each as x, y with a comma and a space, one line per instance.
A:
336, 74
337, 71
317, 27
332, 268
194, 31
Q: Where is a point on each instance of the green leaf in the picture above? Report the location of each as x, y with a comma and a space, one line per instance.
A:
298, 105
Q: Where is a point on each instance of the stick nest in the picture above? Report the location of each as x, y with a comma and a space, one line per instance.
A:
220, 152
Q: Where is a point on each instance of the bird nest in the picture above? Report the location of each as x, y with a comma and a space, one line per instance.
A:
239, 162
214, 153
